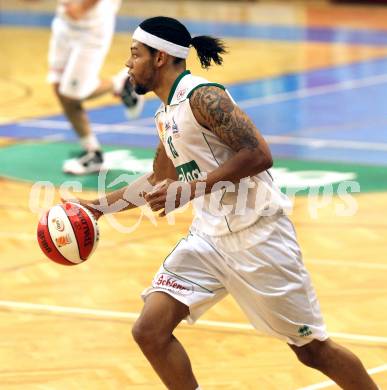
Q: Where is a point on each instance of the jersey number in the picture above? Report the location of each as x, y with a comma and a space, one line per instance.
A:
172, 148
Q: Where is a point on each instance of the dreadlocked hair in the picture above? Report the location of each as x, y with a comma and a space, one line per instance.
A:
209, 49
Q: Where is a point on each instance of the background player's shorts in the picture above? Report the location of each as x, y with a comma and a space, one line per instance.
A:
76, 56
268, 280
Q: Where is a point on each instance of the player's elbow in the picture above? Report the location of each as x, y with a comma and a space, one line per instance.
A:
261, 162
268, 161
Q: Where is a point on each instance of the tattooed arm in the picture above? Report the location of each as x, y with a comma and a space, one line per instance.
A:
214, 110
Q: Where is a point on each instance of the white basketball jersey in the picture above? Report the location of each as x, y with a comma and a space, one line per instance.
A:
195, 151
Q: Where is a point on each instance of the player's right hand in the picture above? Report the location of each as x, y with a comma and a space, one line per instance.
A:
88, 204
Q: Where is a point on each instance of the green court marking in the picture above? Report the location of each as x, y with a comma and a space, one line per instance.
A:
34, 162
319, 174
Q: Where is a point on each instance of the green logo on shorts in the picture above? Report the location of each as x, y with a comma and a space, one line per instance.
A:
304, 331
189, 171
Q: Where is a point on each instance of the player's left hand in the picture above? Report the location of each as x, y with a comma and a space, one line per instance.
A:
168, 195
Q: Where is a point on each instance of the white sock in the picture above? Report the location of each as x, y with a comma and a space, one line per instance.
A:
90, 143
118, 80
198, 388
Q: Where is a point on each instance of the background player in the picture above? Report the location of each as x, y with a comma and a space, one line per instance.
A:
82, 31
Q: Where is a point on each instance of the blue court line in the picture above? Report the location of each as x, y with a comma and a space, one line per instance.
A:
357, 114
234, 30
308, 79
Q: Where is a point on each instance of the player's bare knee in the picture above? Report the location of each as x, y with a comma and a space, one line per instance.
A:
70, 103
67, 101
55, 87
148, 335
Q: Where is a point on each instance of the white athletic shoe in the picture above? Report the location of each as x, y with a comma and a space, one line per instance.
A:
118, 81
133, 102
88, 162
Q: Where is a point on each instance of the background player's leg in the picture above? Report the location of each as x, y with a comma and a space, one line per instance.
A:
153, 333
78, 82
75, 113
337, 362
91, 160
105, 86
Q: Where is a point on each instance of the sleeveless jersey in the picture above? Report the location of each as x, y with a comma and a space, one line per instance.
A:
196, 151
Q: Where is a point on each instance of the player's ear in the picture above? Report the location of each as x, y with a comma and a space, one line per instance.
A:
161, 58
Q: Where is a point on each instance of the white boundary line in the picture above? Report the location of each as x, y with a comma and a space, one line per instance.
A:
325, 384
315, 91
130, 316
326, 143
272, 139
126, 128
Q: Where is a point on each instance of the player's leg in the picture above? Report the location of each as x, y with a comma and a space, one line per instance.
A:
91, 160
120, 86
153, 332
336, 362
79, 81
64, 64
71, 89
105, 86
185, 286
75, 113
273, 287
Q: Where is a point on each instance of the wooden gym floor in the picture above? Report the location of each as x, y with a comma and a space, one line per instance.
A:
69, 328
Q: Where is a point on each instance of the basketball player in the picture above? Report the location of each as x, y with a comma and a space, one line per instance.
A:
209, 142
82, 31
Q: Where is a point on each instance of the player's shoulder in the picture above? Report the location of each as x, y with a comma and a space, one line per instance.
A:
198, 83
208, 100
206, 89
188, 85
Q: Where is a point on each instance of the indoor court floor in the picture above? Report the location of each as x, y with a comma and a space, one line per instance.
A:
313, 77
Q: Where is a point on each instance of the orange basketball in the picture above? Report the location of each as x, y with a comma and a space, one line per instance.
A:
68, 233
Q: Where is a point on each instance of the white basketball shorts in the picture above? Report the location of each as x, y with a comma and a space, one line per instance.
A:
268, 280
76, 56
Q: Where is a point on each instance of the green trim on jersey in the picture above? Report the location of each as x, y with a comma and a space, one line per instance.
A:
177, 275
175, 84
205, 85
213, 155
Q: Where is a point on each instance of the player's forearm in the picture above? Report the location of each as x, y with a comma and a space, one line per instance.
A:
113, 202
245, 163
126, 198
